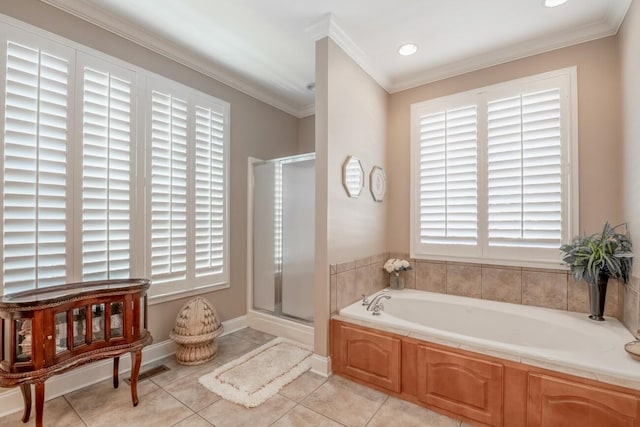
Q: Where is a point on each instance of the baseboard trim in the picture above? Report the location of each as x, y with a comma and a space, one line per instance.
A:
58, 385
321, 365
280, 327
235, 324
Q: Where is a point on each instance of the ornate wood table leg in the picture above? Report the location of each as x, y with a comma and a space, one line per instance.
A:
136, 359
116, 363
26, 396
39, 403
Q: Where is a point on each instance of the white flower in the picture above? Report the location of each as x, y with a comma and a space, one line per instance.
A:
389, 265
394, 265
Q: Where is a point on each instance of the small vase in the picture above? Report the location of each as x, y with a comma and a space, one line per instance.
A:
396, 281
597, 297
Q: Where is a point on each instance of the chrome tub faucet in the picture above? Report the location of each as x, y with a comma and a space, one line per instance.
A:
376, 304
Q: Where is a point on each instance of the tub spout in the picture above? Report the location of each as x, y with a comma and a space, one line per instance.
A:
375, 305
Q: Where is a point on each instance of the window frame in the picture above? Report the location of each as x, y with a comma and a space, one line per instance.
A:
483, 253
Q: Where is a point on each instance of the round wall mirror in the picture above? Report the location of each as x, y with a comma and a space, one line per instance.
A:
352, 176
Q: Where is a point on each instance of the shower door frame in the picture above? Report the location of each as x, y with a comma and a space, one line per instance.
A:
274, 322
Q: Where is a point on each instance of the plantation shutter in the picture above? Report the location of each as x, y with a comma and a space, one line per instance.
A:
525, 170
168, 186
34, 168
210, 184
106, 175
448, 177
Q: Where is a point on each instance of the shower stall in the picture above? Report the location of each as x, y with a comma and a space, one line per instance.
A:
282, 223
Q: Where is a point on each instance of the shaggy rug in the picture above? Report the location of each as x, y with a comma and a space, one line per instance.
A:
253, 378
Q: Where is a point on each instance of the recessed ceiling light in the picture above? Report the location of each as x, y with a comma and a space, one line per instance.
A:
553, 3
408, 49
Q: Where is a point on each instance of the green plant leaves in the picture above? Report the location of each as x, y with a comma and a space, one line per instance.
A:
609, 253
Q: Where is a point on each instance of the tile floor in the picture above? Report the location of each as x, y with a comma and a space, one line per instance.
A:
175, 398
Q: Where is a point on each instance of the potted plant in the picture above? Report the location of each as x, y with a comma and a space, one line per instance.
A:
597, 258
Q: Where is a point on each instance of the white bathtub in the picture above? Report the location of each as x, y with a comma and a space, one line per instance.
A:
560, 340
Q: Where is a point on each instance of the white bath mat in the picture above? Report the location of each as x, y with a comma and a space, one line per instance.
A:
253, 378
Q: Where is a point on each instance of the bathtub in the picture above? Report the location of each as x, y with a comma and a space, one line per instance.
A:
559, 340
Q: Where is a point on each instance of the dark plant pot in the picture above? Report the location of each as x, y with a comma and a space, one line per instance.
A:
597, 297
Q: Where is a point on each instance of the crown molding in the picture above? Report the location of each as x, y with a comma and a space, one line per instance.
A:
616, 13
95, 15
328, 26
307, 110
583, 34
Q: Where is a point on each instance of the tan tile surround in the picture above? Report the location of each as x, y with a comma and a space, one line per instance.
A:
518, 285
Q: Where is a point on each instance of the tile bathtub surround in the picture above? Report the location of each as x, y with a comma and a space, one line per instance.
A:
629, 298
349, 280
175, 398
518, 285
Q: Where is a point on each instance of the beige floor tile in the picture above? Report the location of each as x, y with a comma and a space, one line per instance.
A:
226, 414
57, 413
190, 392
194, 420
301, 417
231, 347
177, 371
345, 401
302, 386
102, 398
156, 409
253, 335
396, 412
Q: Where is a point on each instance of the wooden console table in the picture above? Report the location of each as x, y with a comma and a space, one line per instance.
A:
52, 330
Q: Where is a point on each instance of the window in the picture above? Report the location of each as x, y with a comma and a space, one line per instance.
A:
108, 171
494, 172
107, 166
188, 139
34, 193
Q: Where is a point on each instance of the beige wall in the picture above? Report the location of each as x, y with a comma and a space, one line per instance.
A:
629, 38
599, 130
307, 134
629, 44
257, 130
357, 108
351, 116
321, 273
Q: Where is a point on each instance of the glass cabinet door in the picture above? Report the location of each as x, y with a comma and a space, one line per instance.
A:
116, 319
23, 340
61, 332
79, 326
97, 322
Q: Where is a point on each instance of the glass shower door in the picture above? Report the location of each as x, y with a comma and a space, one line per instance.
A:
283, 236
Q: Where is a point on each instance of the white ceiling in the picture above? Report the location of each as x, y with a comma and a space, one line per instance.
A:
266, 48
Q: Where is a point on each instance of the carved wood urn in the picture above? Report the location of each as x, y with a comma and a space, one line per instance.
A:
195, 332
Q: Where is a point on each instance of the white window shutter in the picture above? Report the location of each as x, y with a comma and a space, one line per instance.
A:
34, 168
210, 128
448, 177
168, 187
106, 175
525, 170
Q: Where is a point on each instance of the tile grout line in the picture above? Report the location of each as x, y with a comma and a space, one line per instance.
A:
377, 410
64, 396
287, 412
326, 416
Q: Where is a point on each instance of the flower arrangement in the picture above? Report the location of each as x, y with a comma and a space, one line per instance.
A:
395, 266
